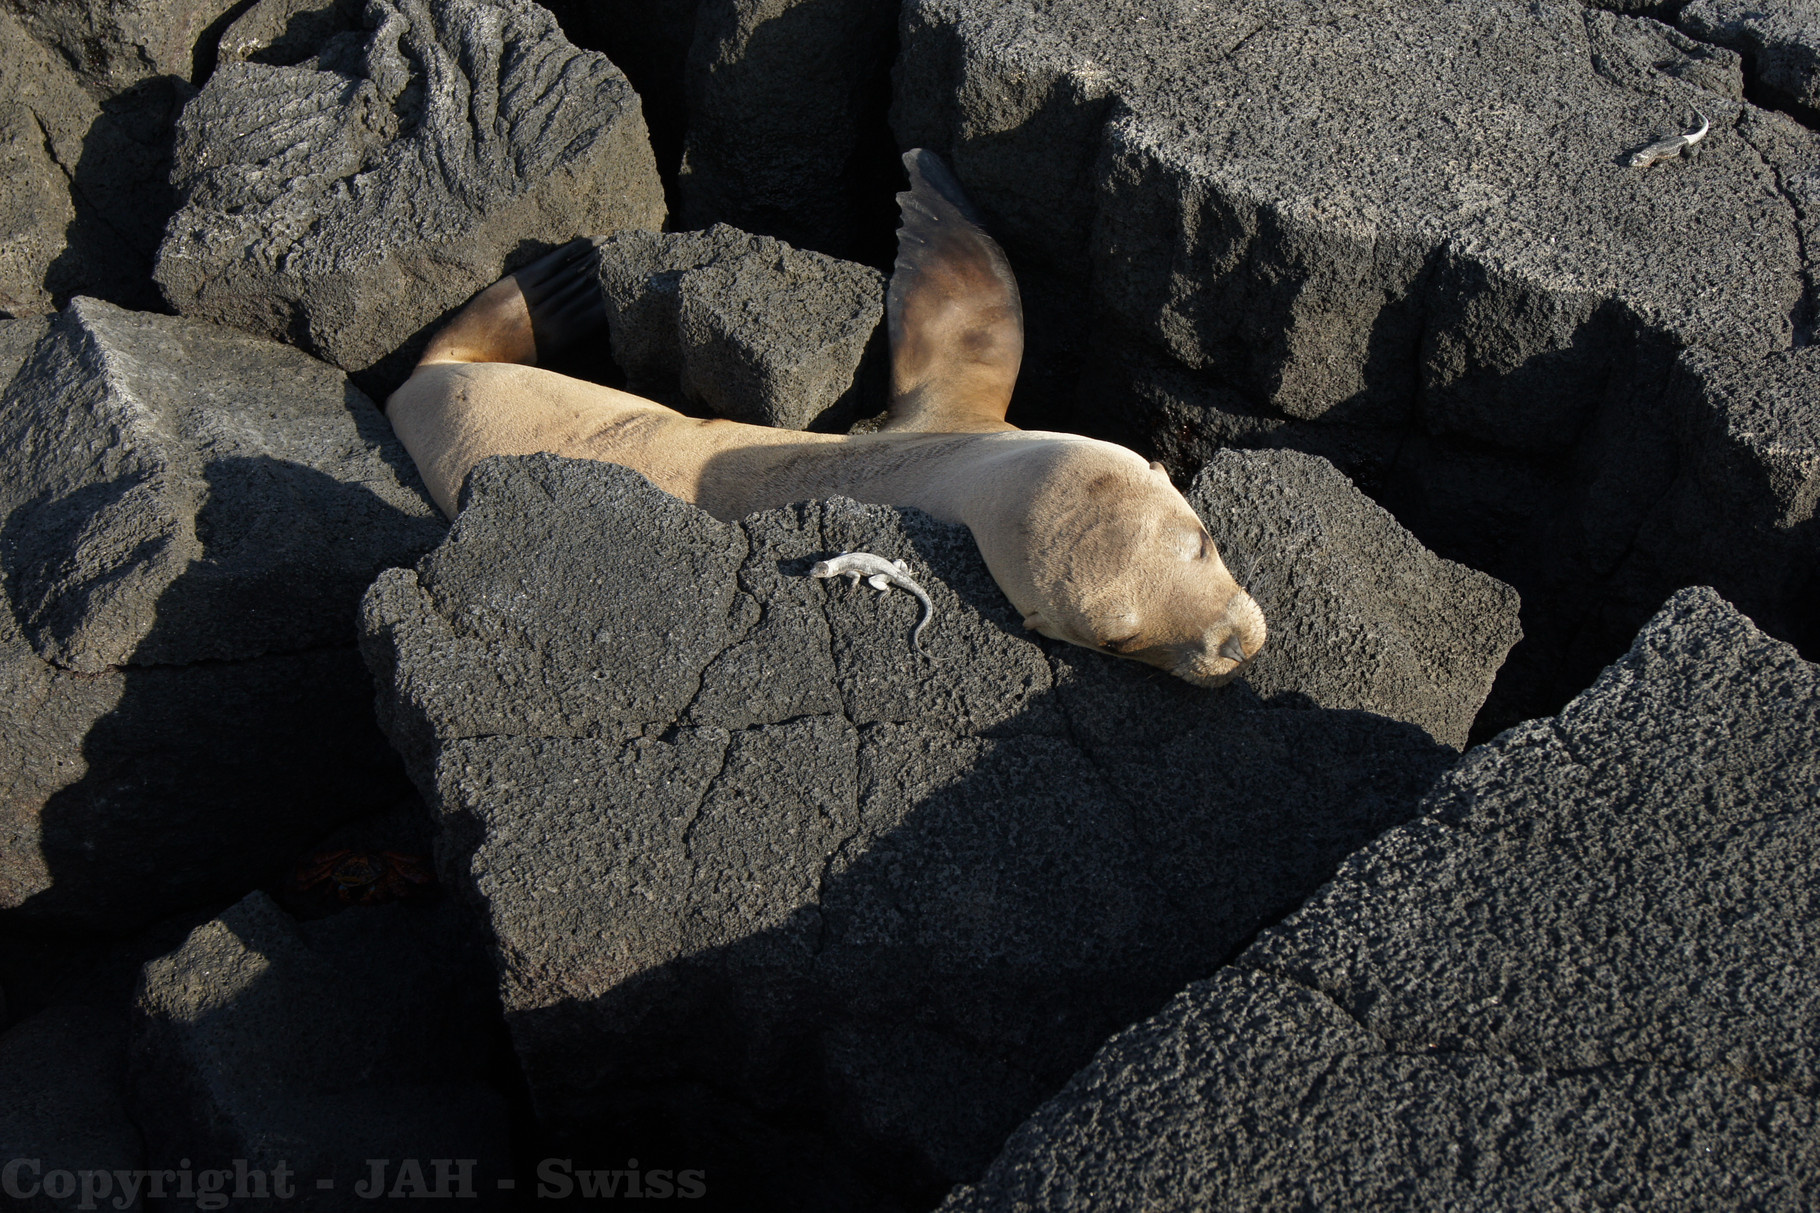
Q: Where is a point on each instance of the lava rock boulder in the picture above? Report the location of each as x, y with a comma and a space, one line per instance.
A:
1579, 978
320, 1046
737, 843
349, 198
746, 326
188, 519
1378, 622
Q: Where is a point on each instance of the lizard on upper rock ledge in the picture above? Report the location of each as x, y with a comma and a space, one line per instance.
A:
881, 575
1669, 148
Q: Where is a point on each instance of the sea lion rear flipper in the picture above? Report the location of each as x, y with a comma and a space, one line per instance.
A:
529, 315
956, 324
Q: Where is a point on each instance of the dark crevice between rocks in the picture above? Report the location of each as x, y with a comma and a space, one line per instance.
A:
1805, 314
1766, 98
649, 41
120, 190
207, 54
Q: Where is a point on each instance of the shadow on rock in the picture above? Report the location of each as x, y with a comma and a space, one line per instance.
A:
772, 899
121, 191
241, 727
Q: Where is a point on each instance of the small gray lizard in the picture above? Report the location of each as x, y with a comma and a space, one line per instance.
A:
1669, 148
881, 575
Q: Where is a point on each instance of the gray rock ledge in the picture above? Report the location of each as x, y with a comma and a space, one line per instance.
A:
1581, 978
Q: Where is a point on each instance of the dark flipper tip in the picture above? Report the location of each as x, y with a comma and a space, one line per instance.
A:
562, 293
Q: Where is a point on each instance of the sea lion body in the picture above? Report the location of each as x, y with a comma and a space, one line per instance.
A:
1089, 542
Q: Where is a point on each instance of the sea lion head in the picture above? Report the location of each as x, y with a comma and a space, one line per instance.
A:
1115, 560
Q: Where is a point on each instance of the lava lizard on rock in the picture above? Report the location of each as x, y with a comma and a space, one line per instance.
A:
1669, 148
881, 575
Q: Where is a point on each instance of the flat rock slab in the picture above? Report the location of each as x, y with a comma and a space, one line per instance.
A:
746, 326
727, 829
320, 1045
188, 518
1580, 979
1779, 39
1378, 622
1347, 211
349, 199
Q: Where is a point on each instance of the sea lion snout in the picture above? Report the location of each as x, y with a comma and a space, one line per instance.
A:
1227, 647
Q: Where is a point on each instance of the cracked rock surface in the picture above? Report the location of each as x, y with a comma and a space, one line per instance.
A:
729, 834
1579, 978
348, 198
750, 328
1779, 39
189, 516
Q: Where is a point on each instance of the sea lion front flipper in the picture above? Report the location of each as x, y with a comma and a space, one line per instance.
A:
562, 293
956, 324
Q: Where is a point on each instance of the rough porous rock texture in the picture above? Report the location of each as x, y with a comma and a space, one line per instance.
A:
735, 842
63, 1103
285, 32
320, 1045
188, 519
1582, 978
1780, 42
786, 104
116, 44
84, 178
746, 326
348, 200
1275, 224
1375, 620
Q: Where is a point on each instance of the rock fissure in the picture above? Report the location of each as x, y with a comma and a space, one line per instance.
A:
687, 838
1803, 317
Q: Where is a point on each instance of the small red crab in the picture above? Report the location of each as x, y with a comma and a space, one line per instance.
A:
362, 878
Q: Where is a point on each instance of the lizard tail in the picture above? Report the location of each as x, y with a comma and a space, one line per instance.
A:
916, 633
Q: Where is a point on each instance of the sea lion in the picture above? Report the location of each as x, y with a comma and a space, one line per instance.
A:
1091, 543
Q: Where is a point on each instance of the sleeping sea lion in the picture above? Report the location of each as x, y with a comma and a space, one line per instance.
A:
1091, 543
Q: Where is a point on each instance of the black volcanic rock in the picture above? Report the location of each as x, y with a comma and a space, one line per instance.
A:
84, 175
188, 517
117, 44
746, 326
730, 835
320, 1045
786, 135
1779, 39
1378, 622
346, 201
1580, 977
1286, 226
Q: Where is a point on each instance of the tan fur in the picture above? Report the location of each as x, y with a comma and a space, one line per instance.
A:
1090, 543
